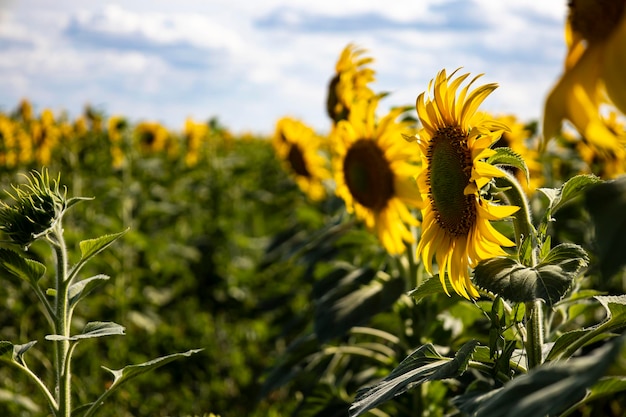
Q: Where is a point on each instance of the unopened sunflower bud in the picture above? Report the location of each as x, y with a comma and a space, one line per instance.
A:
37, 207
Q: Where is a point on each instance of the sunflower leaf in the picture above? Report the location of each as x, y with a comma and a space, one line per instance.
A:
424, 364
17, 266
508, 157
546, 390
574, 187
431, 286
91, 247
548, 280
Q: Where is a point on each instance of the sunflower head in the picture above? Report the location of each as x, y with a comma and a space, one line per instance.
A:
299, 148
352, 75
595, 33
454, 141
375, 169
595, 20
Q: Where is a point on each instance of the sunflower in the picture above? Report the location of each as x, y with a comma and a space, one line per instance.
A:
375, 170
603, 162
298, 146
455, 218
595, 33
349, 82
151, 137
521, 141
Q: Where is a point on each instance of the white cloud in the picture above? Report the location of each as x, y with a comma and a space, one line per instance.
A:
251, 65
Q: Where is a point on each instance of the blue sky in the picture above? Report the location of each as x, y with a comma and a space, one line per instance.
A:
249, 63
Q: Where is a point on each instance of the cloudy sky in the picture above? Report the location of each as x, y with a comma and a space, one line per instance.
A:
249, 62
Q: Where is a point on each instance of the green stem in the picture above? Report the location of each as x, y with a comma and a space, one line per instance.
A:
62, 324
534, 339
522, 222
522, 219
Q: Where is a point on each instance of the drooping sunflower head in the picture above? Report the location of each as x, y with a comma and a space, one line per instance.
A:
299, 148
453, 142
594, 20
352, 75
375, 169
595, 33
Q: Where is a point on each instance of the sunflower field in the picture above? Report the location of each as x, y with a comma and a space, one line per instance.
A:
432, 260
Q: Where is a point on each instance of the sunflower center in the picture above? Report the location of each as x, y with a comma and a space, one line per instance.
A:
368, 175
450, 167
595, 20
335, 109
297, 162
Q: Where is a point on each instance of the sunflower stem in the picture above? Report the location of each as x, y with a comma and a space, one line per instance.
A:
524, 229
534, 339
522, 219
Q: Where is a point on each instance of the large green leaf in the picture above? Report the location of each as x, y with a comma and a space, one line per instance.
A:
546, 390
339, 311
424, 364
606, 204
19, 267
548, 281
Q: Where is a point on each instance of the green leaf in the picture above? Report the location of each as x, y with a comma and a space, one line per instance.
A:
615, 306
13, 353
424, 364
6, 349
91, 247
564, 341
548, 281
546, 390
431, 286
82, 288
75, 200
93, 329
606, 204
22, 268
121, 376
568, 191
605, 387
339, 311
506, 156
615, 321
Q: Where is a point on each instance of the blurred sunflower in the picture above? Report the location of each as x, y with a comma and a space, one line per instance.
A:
455, 219
602, 162
298, 146
349, 83
595, 33
194, 134
374, 171
520, 139
151, 137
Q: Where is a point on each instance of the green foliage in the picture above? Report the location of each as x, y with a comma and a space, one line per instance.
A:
548, 280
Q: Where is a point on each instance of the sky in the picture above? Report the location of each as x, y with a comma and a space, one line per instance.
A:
250, 62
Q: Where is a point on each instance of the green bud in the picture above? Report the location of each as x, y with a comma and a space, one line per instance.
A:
38, 205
